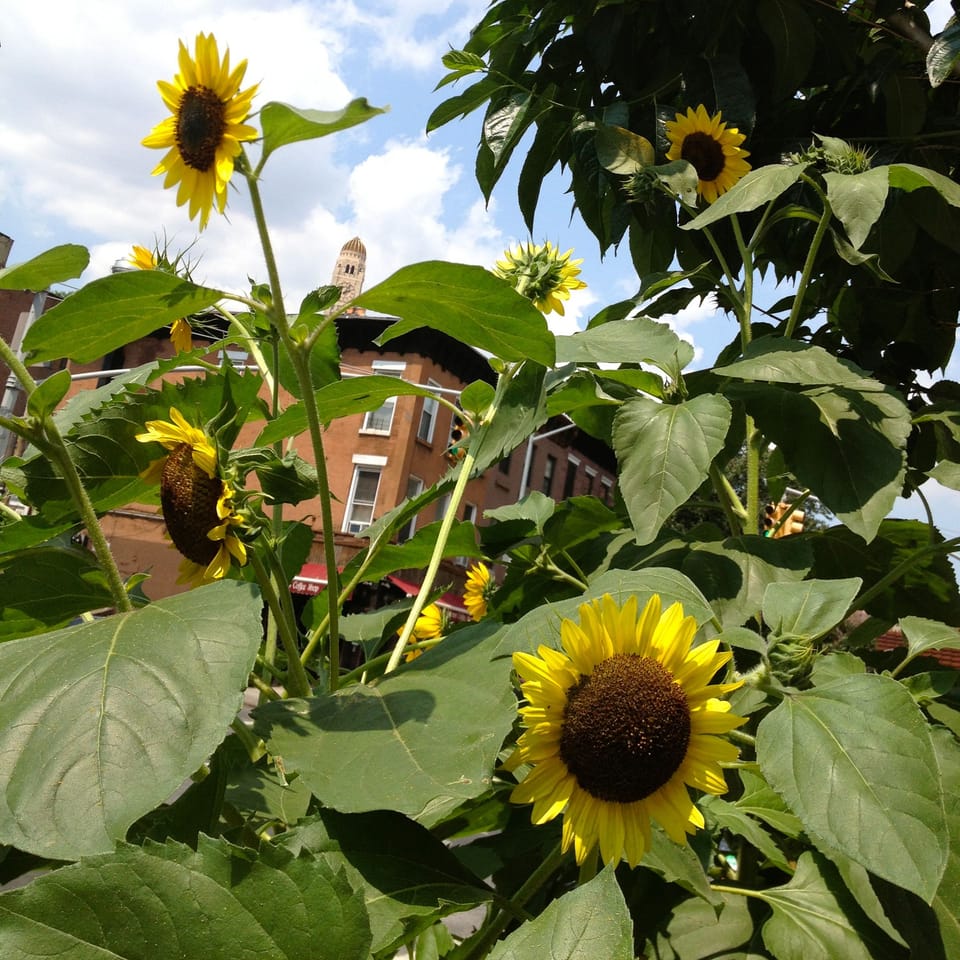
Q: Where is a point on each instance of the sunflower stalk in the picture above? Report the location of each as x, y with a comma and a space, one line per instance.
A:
466, 466
807, 272
299, 357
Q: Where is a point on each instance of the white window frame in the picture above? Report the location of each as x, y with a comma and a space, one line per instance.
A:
369, 464
430, 407
407, 531
385, 412
591, 475
607, 485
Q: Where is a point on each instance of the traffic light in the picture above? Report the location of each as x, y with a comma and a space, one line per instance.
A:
457, 448
774, 514
794, 524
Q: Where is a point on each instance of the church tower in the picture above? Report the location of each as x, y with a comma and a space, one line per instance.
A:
349, 271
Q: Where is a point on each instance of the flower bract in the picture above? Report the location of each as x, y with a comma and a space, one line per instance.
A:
711, 146
204, 133
181, 333
542, 274
197, 504
478, 587
619, 724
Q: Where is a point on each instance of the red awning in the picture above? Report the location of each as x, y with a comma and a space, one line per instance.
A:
311, 579
449, 600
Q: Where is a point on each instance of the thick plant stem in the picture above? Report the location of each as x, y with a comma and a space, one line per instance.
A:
301, 365
807, 273
56, 451
488, 934
466, 466
298, 684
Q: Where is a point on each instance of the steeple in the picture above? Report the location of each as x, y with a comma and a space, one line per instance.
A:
349, 271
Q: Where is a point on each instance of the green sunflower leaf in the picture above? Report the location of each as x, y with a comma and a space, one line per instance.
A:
134, 703
408, 877
854, 760
665, 451
922, 635
218, 902
756, 188
46, 587
589, 923
808, 610
113, 311
815, 916
696, 931
381, 747
283, 124
641, 339
52, 266
466, 302
857, 200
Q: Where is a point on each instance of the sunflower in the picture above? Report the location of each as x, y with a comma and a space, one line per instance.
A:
430, 625
478, 588
204, 133
711, 146
619, 724
197, 504
181, 333
542, 274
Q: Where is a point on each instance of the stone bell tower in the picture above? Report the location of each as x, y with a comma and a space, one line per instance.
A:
349, 271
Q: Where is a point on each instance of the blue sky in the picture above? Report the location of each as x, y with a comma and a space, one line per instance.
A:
78, 86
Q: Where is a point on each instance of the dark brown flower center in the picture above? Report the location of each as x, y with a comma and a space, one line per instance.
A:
189, 501
201, 121
626, 728
704, 153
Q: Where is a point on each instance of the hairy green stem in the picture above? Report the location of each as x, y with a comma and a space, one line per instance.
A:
446, 525
298, 683
729, 501
498, 920
299, 357
807, 273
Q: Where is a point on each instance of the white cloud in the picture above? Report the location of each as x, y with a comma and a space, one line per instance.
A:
685, 322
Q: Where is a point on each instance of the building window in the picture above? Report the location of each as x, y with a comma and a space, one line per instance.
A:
504, 465
570, 480
469, 516
381, 419
549, 469
591, 476
414, 489
443, 505
428, 416
363, 498
606, 488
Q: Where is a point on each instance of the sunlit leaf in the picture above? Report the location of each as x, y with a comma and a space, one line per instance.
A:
134, 703
854, 761
112, 311
622, 151
922, 635
665, 451
283, 124
756, 188
218, 902
640, 339
406, 744
808, 610
696, 931
46, 587
857, 199
41, 272
944, 53
813, 916
408, 877
468, 303
589, 923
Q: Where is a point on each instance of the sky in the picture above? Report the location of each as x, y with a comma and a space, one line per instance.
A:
78, 94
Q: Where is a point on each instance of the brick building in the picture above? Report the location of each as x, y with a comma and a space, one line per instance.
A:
374, 460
